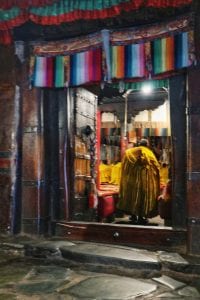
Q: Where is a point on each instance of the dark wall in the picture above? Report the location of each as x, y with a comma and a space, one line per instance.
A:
177, 94
193, 166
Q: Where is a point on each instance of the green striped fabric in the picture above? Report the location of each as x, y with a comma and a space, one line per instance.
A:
138, 85
67, 6
6, 15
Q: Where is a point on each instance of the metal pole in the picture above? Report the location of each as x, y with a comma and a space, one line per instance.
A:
126, 111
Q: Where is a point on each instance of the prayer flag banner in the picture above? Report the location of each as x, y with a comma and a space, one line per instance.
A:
143, 60
86, 67
134, 60
60, 71
170, 53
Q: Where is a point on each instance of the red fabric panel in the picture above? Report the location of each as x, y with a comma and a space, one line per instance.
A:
86, 14
50, 71
90, 65
132, 4
97, 64
75, 15
167, 3
7, 4
98, 145
5, 37
106, 206
21, 19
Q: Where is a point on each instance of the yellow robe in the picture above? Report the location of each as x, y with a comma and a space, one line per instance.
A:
116, 173
105, 173
164, 175
140, 183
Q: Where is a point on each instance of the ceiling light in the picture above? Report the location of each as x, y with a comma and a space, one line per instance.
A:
146, 89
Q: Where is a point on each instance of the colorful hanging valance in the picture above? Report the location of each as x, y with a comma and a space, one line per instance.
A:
133, 35
126, 62
62, 71
140, 54
55, 12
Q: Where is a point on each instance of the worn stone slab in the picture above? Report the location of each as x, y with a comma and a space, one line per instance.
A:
7, 296
168, 296
110, 287
31, 288
54, 244
40, 273
189, 291
94, 253
43, 279
12, 245
172, 258
46, 249
170, 282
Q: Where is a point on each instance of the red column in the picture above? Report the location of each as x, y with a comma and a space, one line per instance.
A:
98, 146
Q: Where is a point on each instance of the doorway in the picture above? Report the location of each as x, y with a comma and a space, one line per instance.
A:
81, 220
127, 120
153, 117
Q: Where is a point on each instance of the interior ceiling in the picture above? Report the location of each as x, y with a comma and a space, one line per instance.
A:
136, 100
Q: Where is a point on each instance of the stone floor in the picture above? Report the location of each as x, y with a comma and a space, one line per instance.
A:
55, 269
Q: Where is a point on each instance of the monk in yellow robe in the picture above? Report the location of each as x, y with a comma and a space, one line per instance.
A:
105, 172
140, 184
116, 173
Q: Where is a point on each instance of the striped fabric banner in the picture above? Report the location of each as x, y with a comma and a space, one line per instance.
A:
128, 61
170, 53
51, 71
118, 62
134, 60
181, 50
40, 72
86, 67
163, 55
60, 71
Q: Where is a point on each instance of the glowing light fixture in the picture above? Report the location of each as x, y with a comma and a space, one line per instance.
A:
147, 89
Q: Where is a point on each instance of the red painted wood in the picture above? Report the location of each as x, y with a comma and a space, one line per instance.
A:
143, 236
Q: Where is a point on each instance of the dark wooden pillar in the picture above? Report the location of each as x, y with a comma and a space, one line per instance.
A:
51, 154
193, 174
57, 158
193, 168
33, 215
28, 213
177, 93
7, 136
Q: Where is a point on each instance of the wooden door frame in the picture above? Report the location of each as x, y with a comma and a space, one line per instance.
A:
149, 237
